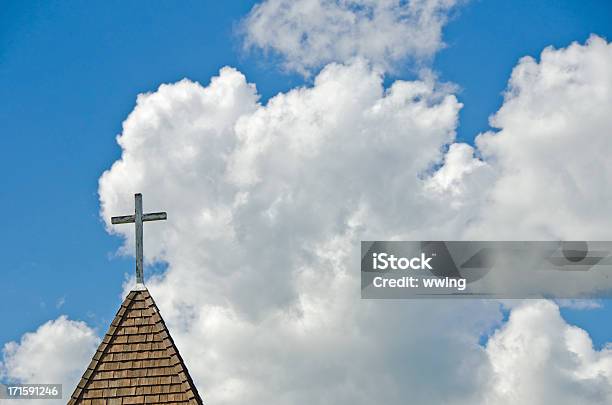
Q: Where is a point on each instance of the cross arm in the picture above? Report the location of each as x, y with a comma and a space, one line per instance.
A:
130, 219
154, 216
125, 219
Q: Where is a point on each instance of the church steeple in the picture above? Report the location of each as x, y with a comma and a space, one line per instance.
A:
137, 361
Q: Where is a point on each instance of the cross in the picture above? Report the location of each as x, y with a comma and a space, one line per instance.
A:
138, 218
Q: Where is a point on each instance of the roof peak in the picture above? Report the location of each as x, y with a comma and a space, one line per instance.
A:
137, 362
139, 287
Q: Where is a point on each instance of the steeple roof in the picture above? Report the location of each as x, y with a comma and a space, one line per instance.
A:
137, 361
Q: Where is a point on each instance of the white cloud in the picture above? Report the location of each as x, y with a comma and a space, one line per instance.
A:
537, 358
269, 234
265, 213
461, 179
56, 353
267, 204
308, 34
260, 189
551, 152
546, 172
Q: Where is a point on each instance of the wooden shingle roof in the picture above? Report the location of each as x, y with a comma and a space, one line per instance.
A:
137, 361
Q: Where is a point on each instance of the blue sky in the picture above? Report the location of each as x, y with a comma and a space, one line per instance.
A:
70, 73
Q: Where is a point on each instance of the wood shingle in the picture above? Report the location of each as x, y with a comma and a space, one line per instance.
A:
136, 362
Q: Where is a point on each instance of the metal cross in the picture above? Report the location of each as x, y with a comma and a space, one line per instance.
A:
138, 218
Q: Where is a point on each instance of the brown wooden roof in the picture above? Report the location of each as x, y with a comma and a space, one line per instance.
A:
137, 361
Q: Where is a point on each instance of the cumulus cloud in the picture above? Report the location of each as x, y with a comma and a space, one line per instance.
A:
308, 34
551, 150
57, 352
267, 204
546, 172
258, 189
537, 358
